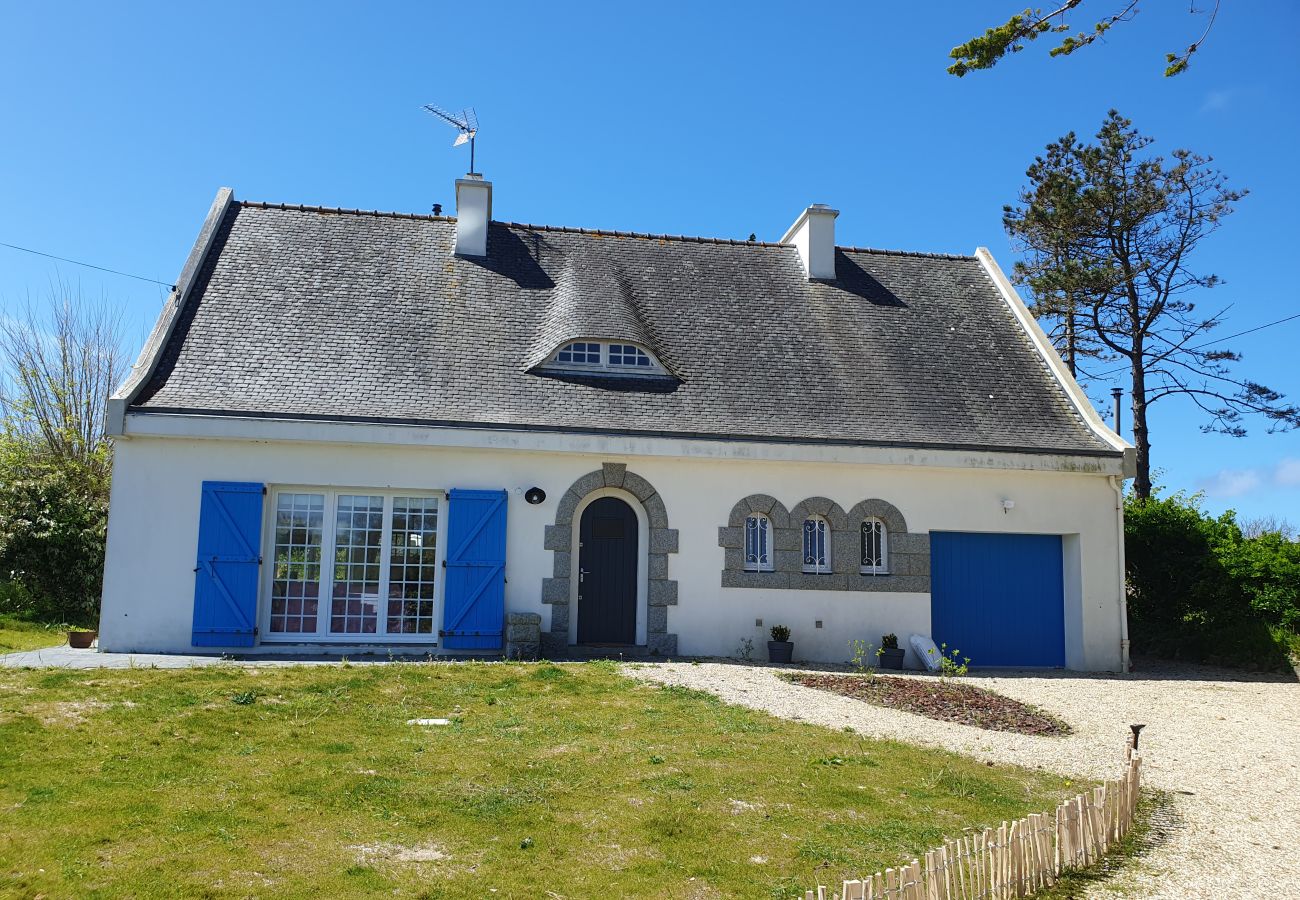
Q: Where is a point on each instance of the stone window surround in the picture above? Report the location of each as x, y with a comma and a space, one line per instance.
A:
909, 553
661, 591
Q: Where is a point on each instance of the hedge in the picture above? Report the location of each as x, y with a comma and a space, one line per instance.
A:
1199, 589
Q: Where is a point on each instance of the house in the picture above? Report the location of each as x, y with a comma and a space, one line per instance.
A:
356, 430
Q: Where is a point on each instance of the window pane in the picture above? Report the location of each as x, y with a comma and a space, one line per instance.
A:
412, 566
627, 355
815, 556
357, 542
296, 563
582, 352
758, 542
873, 544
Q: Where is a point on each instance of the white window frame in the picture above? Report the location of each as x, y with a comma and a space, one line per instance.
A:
322, 633
601, 349
883, 568
604, 366
821, 566
759, 565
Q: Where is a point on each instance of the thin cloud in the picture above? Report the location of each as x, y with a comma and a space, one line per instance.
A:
1236, 482
1232, 482
1287, 473
1216, 101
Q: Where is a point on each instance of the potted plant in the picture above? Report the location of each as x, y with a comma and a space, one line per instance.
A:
891, 655
780, 649
81, 638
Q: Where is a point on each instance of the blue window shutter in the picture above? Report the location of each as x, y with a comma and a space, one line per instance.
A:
474, 601
225, 579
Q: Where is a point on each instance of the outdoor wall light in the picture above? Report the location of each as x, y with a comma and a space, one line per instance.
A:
1007, 506
535, 495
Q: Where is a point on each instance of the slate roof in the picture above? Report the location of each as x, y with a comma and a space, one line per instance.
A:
306, 312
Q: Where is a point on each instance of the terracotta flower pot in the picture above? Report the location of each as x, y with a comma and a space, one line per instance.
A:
81, 640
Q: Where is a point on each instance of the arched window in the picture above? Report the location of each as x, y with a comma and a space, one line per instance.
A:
875, 547
621, 358
579, 353
628, 355
758, 543
816, 545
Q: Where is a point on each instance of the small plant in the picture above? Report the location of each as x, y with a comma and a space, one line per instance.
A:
780, 633
745, 651
244, 698
656, 760
861, 652
949, 664
891, 655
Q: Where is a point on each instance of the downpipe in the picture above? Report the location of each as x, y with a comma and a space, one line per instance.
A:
1117, 485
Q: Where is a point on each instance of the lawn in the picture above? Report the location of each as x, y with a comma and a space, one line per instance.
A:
18, 634
308, 781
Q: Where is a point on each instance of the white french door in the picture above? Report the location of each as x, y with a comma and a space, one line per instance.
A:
352, 565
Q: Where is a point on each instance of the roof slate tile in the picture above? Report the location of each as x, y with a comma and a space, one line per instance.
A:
306, 312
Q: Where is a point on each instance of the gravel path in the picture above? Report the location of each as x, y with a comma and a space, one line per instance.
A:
1226, 744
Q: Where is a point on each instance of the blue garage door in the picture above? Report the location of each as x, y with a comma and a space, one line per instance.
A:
998, 598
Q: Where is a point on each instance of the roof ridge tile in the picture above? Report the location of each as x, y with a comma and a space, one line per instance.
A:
569, 229
338, 210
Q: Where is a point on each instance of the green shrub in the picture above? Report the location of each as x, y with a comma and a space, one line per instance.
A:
1199, 589
53, 521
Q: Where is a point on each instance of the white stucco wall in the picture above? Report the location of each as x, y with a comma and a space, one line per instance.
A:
153, 527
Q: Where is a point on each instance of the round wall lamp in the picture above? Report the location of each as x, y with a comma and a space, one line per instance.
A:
535, 495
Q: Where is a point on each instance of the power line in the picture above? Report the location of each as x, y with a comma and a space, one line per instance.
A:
1247, 331
1208, 343
77, 262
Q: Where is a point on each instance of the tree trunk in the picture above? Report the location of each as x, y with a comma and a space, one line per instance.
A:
1141, 440
1070, 338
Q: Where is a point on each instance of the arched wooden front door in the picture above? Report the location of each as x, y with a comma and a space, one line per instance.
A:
607, 558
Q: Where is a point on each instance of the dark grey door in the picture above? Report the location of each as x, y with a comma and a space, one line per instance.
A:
607, 573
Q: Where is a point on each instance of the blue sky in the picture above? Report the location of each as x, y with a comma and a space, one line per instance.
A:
119, 123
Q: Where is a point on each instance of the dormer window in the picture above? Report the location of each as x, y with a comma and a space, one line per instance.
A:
596, 355
628, 355
580, 353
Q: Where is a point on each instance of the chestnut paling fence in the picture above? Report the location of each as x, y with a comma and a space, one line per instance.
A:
1015, 859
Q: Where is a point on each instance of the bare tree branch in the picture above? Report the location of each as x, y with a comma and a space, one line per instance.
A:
62, 359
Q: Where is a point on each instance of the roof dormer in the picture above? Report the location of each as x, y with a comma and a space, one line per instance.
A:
594, 326
609, 357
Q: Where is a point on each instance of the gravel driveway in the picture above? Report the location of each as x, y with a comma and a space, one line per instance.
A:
1226, 744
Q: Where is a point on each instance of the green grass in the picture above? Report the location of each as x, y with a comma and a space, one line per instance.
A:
1112, 874
18, 634
307, 782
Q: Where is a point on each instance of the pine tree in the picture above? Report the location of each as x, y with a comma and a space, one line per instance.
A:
1108, 231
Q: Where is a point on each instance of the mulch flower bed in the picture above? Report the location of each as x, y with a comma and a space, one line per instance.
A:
947, 701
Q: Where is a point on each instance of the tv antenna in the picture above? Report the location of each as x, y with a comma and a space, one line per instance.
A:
466, 123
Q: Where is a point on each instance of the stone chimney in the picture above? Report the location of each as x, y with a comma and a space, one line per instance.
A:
813, 234
473, 213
